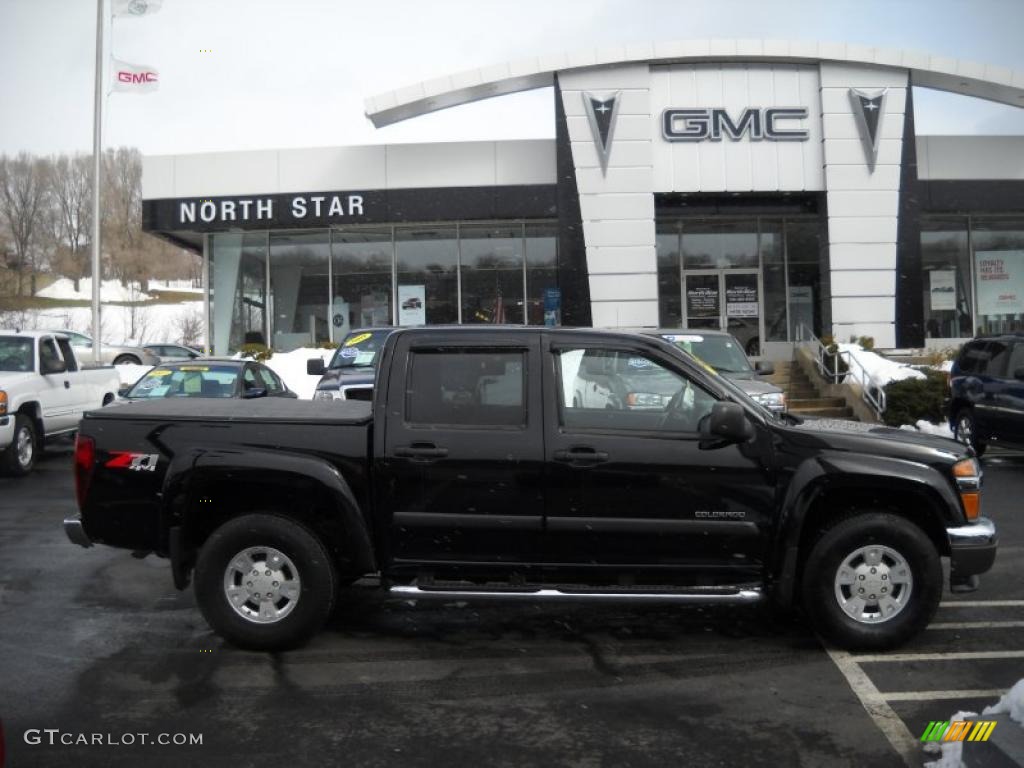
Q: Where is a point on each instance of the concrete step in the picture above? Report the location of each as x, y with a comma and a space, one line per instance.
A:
825, 413
816, 402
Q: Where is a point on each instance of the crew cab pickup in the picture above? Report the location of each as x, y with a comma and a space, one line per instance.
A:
43, 393
476, 474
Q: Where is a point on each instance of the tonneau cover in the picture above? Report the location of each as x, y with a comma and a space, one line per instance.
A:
270, 409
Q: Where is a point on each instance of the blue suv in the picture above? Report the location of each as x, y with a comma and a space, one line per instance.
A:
986, 392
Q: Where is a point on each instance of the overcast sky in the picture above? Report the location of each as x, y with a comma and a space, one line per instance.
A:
294, 73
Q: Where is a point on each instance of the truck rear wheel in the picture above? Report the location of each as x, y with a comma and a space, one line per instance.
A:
264, 582
872, 581
20, 456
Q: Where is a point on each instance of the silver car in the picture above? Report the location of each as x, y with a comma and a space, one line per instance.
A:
116, 354
172, 353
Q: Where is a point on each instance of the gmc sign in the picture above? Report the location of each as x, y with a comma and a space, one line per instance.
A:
136, 77
714, 123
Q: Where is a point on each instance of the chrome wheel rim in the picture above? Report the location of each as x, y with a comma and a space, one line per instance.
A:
24, 447
873, 584
262, 585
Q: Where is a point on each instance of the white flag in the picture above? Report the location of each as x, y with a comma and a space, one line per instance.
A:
133, 78
135, 7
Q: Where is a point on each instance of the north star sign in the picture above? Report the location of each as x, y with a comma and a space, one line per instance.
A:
297, 208
715, 123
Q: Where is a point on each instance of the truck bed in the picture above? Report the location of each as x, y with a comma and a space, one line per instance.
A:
275, 410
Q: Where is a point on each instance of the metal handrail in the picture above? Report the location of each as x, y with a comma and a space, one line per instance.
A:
872, 390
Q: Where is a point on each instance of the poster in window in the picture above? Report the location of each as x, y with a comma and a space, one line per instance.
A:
741, 301
1000, 282
701, 301
943, 289
412, 305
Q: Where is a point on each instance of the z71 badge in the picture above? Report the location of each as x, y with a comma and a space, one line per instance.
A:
139, 462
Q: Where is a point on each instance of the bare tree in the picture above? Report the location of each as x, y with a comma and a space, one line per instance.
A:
23, 198
71, 222
190, 327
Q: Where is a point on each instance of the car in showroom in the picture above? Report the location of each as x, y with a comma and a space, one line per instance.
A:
723, 352
208, 378
351, 371
986, 392
110, 354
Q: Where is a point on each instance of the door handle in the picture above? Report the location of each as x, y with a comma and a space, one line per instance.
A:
581, 455
67, 384
420, 451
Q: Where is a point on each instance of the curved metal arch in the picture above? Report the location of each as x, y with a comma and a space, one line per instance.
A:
984, 81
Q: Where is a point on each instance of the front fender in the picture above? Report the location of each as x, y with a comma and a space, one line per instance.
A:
188, 472
835, 471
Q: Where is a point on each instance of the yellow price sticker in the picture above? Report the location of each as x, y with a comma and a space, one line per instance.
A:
193, 368
357, 339
159, 372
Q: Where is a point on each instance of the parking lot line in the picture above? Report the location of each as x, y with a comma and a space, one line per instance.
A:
874, 703
975, 624
982, 604
975, 693
954, 656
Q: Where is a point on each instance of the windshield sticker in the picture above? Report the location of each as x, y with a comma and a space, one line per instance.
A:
193, 368
158, 372
365, 358
678, 337
357, 339
349, 353
639, 362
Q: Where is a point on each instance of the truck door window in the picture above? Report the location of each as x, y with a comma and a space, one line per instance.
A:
67, 353
613, 389
467, 387
15, 353
47, 353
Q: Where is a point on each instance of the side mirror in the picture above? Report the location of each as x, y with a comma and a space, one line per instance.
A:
1019, 374
315, 366
53, 366
254, 392
193, 355
764, 369
728, 422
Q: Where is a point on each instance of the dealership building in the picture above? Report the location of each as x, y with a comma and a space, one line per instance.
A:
770, 188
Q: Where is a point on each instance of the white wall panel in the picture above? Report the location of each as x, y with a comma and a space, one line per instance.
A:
853, 177
844, 256
619, 232
624, 314
315, 170
884, 334
851, 152
862, 229
441, 165
837, 75
844, 126
862, 202
617, 260
627, 128
158, 177
866, 282
634, 205
837, 100
225, 173
624, 154
624, 288
525, 162
861, 309
632, 102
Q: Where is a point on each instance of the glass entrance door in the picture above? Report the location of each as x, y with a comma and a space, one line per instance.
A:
727, 300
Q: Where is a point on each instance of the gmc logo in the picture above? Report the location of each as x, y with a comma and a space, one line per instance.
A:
714, 123
136, 77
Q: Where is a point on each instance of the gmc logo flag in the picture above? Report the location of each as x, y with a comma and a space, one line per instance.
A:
133, 78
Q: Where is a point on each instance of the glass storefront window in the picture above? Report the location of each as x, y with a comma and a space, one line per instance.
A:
719, 244
361, 280
238, 290
773, 266
541, 268
807, 292
427, 275
998, 245
670, 302
491, 269
946, 281
298, 284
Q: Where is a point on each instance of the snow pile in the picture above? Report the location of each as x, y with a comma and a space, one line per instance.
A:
940, 430
110, 290
950, 752
1012, 704
291, 366
153, 323
875, 368
130, 373
178, 286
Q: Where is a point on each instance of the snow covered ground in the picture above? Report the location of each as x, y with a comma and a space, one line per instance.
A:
110, 290
140, 324
942, 430
878, 368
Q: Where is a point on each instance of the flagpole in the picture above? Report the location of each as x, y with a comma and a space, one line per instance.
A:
96, 165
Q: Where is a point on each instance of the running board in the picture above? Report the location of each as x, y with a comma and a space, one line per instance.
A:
717, 597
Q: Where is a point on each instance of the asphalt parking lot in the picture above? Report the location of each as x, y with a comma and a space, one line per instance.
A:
95, 641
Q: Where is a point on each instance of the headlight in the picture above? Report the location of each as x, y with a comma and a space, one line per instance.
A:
771, 399
328, 394
646, 400
3, 403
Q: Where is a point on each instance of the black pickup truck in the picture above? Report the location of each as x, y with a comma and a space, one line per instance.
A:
478, 471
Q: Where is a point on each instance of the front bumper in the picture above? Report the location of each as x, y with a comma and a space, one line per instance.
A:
972, 548
6, 431
73, 528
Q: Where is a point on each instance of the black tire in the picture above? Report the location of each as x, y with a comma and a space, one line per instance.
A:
123, 359
309, 560
965, 429
19, 457
821, 576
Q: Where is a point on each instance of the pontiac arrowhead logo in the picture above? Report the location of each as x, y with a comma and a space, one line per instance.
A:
601, 114
868, 108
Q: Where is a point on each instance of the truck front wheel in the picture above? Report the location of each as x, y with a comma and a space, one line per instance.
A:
264, 582
872, 581
20, 456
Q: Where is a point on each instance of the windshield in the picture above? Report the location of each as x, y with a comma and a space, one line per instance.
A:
15, 353
186, 381
722, 353
359, 350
